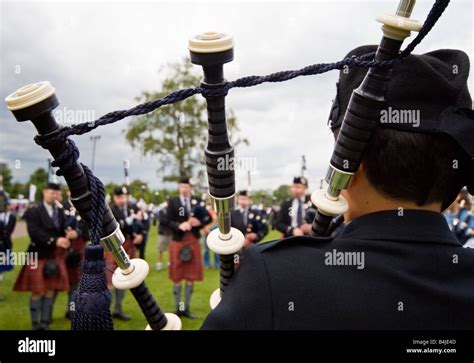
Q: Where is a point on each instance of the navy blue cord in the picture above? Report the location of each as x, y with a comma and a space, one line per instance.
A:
65, 162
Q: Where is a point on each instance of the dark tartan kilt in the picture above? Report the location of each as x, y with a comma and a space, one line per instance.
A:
111, 265
33, 280
191, 270
74, 273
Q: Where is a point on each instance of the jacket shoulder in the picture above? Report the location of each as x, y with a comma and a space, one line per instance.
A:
286, 202
292, 243
174, 200
33, 210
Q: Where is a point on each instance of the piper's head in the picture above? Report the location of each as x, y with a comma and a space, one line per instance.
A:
244, 199
420, 156
121, 196
51, 193
184, 187
299, 187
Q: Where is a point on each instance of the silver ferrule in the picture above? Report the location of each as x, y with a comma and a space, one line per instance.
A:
223, 208
113, 244
337, 180
405, 8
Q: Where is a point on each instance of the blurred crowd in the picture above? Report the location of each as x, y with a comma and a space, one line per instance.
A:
58, 237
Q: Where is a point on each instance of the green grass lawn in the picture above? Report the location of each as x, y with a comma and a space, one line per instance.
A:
14, 310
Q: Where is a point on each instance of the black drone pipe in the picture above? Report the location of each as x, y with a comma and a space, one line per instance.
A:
361, 119
211, 51
36, 102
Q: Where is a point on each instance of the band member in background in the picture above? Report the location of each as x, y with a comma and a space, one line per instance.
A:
125, 216
463, 222
185, 217
451, 214
49, 240
291, 218
208, 229
273, 214
164, 235
7, 225
76, 251
142, 224
248, 220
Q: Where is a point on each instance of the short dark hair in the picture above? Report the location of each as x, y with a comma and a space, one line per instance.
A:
414, 166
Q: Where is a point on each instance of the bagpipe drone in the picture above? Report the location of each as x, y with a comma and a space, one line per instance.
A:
210, 50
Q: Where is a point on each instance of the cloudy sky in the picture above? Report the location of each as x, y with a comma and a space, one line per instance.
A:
100, 56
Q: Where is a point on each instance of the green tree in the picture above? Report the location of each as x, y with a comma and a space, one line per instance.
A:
109, 188
281, 193
139, 190
6, 172
40, 179
17, 189
176, 134
262, 197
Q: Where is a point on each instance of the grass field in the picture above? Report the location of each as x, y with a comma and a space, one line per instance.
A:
14, 310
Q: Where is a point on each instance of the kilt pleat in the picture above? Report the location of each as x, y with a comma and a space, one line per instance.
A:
33, 279
190, 270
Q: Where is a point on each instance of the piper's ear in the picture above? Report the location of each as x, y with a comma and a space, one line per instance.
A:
470, 189
450, 200
357, 177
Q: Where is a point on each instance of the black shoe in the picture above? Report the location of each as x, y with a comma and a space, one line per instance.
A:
178, 313
188, 314
121, 316
44, 325
68, 315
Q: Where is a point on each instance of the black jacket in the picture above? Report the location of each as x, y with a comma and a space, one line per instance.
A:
284, 216
416, 275
176, 214
43, 234
73, 220
127, 228
255, 223
6, 230
163, 228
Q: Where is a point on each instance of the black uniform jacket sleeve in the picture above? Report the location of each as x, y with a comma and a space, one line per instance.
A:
247, 301
284, 219
11, 224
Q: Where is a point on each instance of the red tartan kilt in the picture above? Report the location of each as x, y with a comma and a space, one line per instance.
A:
110, 265
74, 273
191, 270
33, 280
